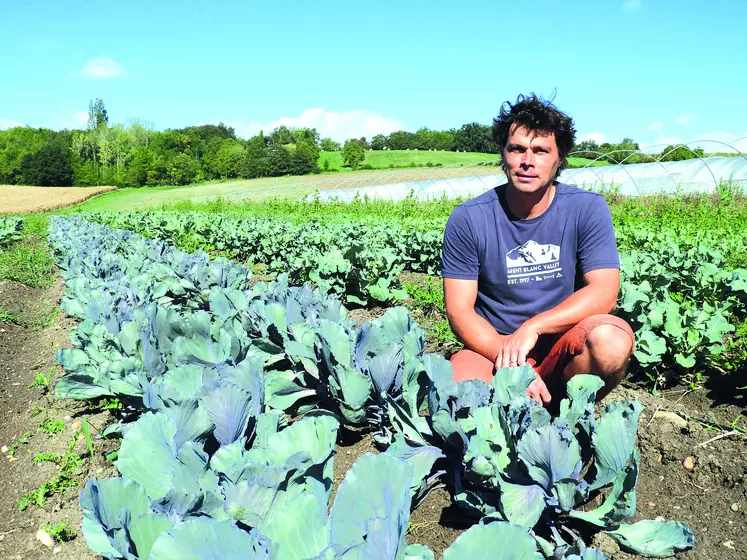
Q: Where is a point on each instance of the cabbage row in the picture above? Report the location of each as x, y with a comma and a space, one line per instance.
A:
212, 369
679, 291
10, 230
358, 261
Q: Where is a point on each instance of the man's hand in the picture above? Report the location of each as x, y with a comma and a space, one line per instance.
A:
537, 390
516, 347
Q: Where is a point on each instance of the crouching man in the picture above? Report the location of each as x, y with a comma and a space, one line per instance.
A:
531, 270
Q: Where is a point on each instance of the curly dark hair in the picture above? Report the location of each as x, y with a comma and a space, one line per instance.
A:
537, 114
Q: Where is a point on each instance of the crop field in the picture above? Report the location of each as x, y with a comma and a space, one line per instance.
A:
226, 380
15, 199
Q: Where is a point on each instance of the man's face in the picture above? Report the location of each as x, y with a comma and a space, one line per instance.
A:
531, 159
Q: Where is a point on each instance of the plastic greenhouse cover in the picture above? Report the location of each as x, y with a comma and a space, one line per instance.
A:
687, 177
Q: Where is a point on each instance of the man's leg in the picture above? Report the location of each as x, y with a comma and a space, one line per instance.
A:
471, 365
599, 345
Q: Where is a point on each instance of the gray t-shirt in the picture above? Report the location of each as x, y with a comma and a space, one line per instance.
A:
525, 267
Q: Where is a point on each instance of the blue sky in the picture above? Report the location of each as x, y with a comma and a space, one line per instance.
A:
653, 70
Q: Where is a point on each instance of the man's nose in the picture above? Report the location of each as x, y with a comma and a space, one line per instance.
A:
527, 158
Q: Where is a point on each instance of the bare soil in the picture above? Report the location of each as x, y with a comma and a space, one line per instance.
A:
711, 497
27, 200
26, 351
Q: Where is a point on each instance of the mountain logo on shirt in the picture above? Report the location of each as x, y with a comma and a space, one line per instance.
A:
531, 253
533, 262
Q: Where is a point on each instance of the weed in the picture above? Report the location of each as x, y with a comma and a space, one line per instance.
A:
12, 449
69, 464
111, 404
429, 296
7, 316
441, 333
60, 532
47, 319
43, 380
694, 380
28, 262
87, 433
37, 411
24, 437
49, 457
51, 427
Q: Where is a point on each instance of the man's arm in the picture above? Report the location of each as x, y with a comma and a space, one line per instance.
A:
599, 295
474, 331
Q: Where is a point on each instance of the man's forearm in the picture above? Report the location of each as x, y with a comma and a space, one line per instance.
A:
476, 333
589, 300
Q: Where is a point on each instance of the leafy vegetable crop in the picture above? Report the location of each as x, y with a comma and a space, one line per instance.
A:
509, 460
208, 366
10, 230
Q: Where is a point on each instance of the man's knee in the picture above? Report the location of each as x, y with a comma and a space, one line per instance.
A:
467, 364
610, 347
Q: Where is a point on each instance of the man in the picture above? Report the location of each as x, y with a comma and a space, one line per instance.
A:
531, 270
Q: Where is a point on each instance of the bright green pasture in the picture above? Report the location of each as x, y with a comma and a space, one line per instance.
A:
385, 159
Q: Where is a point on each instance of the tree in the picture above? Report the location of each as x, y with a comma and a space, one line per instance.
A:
475, 137
680, 152
308, 150
378, 142
282, 135
353, 153
329, 145
401, 140
97, 116
50, 166
228, 159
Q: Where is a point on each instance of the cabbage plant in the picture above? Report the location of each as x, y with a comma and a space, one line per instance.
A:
507, 458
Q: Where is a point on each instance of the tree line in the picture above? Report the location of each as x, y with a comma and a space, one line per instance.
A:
135, 155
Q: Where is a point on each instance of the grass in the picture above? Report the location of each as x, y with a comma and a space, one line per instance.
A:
387, 159
29, 260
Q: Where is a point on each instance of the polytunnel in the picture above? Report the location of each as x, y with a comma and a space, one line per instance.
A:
691, 176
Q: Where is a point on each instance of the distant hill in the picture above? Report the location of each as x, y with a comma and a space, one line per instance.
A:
384, 159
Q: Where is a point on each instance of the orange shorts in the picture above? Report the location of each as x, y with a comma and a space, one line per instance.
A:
549, 356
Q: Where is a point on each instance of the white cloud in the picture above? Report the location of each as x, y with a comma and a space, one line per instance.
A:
722, 141
338, 126
632, 5
597, 137
102, 67
80, 118
686, 119
9, 124
655, 126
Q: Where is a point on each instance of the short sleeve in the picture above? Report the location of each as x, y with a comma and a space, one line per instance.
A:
597, 246
459, 257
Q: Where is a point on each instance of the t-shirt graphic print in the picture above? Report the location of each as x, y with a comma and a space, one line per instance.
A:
533, 262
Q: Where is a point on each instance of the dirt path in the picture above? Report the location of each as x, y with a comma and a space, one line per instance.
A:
25, 351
